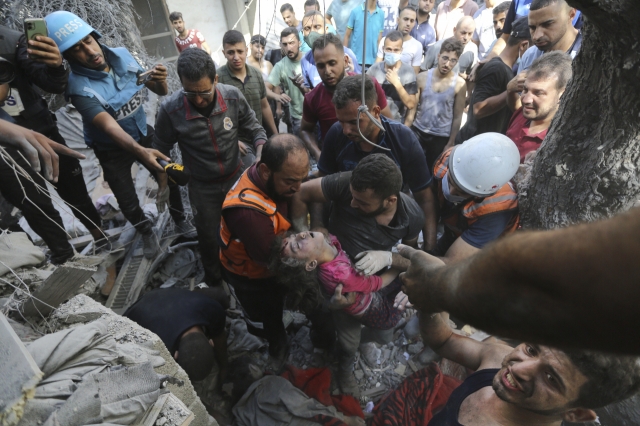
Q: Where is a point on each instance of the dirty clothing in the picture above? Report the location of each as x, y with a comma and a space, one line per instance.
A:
116, 92
28, 109
416, 400
206, 204
448, 416
263, 300
116, 166
341, 271
169, 312
381, 314
209, 145
37, 207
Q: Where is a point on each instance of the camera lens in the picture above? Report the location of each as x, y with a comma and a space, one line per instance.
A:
7, 71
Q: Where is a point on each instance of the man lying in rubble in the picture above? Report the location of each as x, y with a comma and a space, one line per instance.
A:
527, 385
106, 86
34, 153
190, 324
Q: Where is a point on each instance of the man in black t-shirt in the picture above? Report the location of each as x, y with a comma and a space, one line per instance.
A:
189, 323
488, 110
369, 215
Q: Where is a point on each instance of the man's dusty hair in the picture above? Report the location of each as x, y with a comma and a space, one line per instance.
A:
327, 39
611, 378
379, 173
174, 16
394, 36
501, 8
555, 64
452, 45
302, 287
348, 90
539, 4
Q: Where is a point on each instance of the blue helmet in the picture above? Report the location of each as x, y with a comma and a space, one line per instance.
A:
67, 29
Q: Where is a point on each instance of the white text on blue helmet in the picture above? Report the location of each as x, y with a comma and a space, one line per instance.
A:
68, 28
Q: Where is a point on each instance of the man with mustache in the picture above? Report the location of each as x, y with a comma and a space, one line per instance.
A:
105, 88
368, 215
255, 210
207, 118
527, 385
551, 25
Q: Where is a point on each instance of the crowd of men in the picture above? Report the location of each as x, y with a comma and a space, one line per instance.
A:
452, 102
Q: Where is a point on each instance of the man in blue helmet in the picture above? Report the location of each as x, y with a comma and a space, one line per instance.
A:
105, 88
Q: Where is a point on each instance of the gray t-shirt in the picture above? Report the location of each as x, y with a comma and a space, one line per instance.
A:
358, 233
407, 78
465, 63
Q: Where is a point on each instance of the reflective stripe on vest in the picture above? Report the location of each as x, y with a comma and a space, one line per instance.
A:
233, 254
505, 199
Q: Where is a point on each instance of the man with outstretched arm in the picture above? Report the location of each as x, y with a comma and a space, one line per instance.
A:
568, 287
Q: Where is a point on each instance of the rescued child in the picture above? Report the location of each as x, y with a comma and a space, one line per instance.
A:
314, 256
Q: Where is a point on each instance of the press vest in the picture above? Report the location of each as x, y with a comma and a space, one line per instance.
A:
466, 213
122, 99
233, 254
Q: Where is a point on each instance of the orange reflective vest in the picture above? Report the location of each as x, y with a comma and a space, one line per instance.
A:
466, 213
233, 255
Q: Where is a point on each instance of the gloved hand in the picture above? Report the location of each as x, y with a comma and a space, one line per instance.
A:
369, 262
162, 199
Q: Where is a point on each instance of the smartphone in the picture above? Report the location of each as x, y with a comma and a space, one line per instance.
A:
143, 77
34, 27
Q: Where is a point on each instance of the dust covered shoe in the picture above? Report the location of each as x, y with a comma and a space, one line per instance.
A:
151, 243
185, 228
347, 383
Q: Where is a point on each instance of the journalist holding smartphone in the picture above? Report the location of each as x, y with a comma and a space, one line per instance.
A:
31, 64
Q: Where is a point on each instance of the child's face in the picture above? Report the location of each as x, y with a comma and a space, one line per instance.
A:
304, 246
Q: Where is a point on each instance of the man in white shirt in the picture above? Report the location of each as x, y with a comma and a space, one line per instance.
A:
411, 48
489, 22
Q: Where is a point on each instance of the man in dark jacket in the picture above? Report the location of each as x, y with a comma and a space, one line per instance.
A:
205, 118
39, 67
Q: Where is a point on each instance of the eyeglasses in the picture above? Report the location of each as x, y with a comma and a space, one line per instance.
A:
193, 95
446, 59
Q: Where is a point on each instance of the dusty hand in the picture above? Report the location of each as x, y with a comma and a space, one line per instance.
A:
418, 278
340, 301
392, 77
39, 150
159, 73
298, 80
401, 301
517, 83
162, 199
475, 69
148, 156
283, 99
44, 50
369, 262
243, 148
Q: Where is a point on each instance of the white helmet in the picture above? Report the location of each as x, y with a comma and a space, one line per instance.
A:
484, 163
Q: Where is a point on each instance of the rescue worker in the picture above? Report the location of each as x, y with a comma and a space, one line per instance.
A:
39, 66
206, 118
104, 87
477, 202
253, 213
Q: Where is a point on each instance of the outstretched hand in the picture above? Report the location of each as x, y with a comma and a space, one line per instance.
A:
418, 280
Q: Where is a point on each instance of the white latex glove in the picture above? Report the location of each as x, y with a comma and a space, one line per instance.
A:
369, 262
162, 199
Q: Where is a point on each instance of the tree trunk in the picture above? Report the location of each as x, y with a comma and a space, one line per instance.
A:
588, 165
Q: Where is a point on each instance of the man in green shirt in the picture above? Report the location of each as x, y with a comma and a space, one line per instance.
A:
288, 72
250, 82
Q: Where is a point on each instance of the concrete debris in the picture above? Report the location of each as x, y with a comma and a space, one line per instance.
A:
61, 285
20, 375
168, 411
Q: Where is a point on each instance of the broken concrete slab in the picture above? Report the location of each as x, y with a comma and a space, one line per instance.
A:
19, 372
59, 287
168, 411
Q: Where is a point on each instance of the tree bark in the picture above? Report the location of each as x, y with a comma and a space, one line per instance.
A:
588, 166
